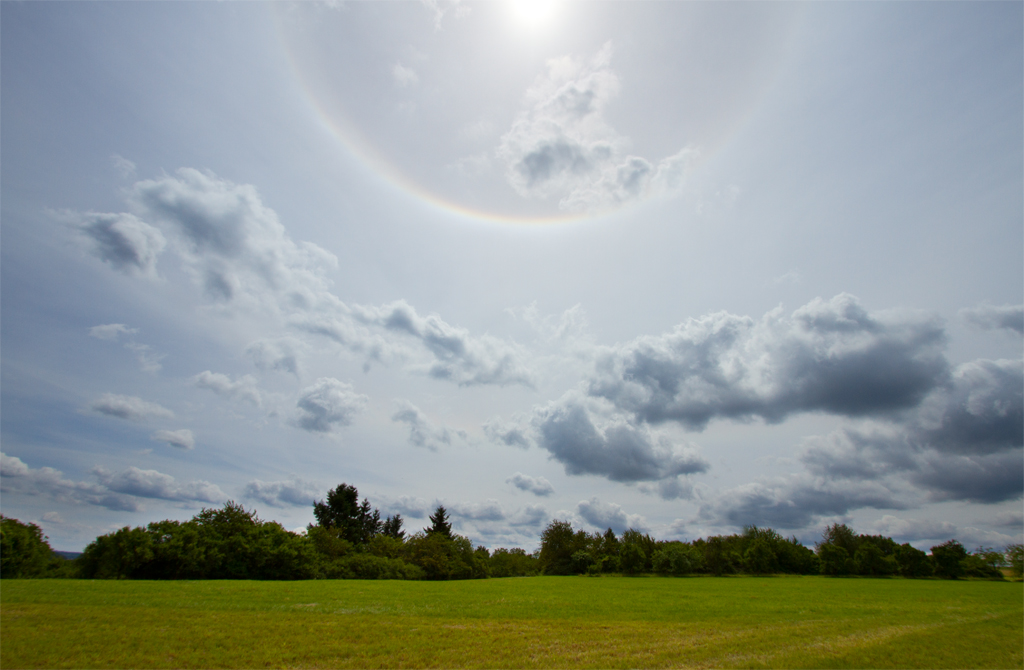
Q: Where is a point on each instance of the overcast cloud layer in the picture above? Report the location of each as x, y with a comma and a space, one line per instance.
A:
677, 267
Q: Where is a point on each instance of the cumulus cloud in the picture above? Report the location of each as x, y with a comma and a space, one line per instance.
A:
828, 356
111, 331
244, 388
12, 466
130, 408
510, 434
538, 486
119, 491
615, 448
422, 432
609, 515
963, 443
910, 530
281, 354
490, 510
993, 317
410, 506
123, 241
458, 356
562, 144
234, 245
153, 484
293, 492
796, 501
182, 439
327, 405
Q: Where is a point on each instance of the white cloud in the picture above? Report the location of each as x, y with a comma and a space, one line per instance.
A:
182, 439
563, 146
234, 245
119, 491
292, 492
130, 408
422, 432
909, 530
991, 317
536, 485
828, 356
111, 331
281, 354
404, 76
244, 388
152, 484
609, 515
125, 242
328, 405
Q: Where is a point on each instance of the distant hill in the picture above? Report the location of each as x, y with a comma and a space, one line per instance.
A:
69, 555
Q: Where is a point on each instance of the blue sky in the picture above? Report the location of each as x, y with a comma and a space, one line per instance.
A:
677, 266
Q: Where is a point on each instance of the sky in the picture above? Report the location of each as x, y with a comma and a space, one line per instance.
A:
676, 266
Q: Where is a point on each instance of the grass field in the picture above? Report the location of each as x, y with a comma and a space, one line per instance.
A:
785, 622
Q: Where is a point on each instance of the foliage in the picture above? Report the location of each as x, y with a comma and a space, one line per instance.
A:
912, 562
439, 524
341, 510
834, 560
225, 543
513, 563
1015, 557
558, 543
25, 552
948, 559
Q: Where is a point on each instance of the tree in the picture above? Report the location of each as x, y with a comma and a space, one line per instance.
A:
439, 524
25, 551
840, 535
341, 510
759, 558
869, 560
392, 527
1015, 556
833, 559
912, 562
558, 543
947, 558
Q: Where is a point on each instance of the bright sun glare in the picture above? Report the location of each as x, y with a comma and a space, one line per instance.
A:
533, 14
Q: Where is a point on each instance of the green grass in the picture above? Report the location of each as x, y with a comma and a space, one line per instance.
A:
784, 622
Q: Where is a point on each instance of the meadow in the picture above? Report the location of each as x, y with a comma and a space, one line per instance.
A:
570, 622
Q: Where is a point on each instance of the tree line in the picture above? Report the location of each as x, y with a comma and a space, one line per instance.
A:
350, 540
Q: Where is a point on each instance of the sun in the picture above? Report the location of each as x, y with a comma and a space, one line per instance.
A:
533, 14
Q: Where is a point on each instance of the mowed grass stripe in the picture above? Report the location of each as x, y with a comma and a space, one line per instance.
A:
756, 623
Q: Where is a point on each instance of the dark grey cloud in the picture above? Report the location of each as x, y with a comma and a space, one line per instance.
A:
828, 356
992, 317
796, 502
130, 408
127, 243
980, 411
964, 443
620, 451
328, 405
989, 478
422, 432
609, 515
538, 486
293, 492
